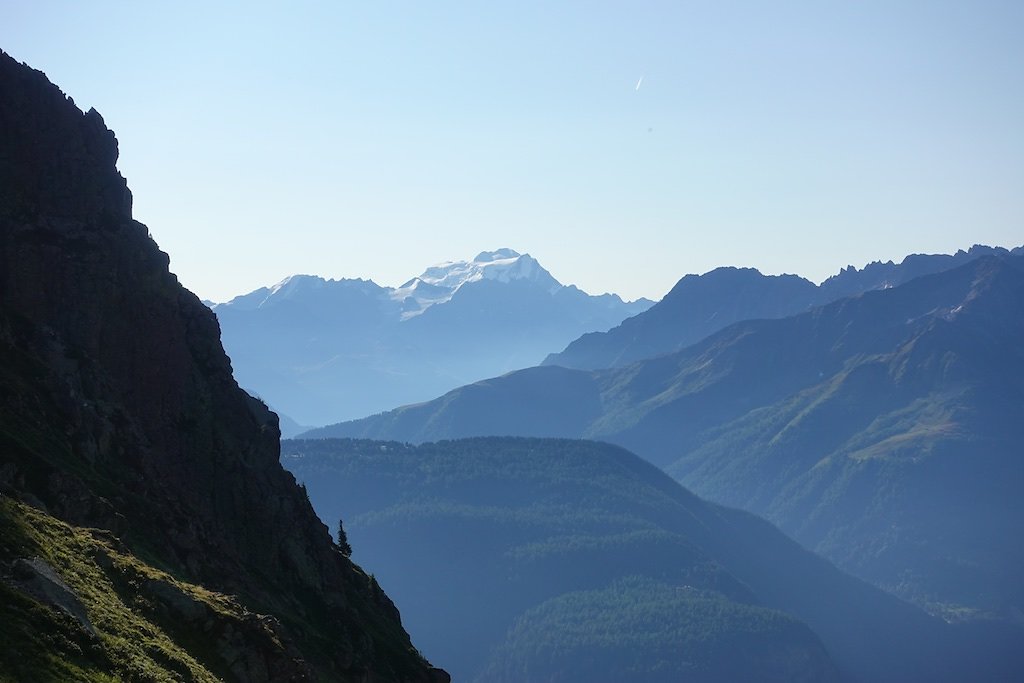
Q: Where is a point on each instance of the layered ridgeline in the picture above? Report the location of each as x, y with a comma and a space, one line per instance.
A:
322, 350
574, 561
147, 529
882, 430
700, 305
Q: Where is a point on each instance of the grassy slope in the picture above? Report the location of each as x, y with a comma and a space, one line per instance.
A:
137, 639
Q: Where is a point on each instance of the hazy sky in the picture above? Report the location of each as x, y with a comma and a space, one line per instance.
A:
372, 139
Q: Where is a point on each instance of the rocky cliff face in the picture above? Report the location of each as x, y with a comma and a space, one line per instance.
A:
119, 409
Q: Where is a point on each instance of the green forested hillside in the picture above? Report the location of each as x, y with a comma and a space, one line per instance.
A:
503, 551
638, 629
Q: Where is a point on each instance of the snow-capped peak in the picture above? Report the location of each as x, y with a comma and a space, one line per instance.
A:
283, 289
438, 283
293, 283
499, 254
503, 265
307, 289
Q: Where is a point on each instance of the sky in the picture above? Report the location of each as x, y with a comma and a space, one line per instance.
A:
623, 145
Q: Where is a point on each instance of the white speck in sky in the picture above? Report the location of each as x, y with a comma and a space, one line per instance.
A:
638, 83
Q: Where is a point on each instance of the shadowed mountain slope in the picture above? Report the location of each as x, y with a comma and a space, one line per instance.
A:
147, 529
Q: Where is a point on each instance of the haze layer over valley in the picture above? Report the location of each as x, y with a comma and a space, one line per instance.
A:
323, 350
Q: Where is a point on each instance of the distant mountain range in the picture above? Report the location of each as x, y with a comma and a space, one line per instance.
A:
323, 350
700, 305
883, 430
576, 562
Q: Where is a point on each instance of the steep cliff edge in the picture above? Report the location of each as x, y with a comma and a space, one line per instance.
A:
119, 412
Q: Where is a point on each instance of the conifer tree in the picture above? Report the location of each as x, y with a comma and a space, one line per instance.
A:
343, 545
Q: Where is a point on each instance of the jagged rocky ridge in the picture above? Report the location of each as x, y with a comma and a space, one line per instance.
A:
700, 305
130, 459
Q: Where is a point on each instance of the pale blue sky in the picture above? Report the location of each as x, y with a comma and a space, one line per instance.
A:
373, 139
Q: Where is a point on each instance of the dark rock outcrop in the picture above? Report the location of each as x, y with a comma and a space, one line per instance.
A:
119, 409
